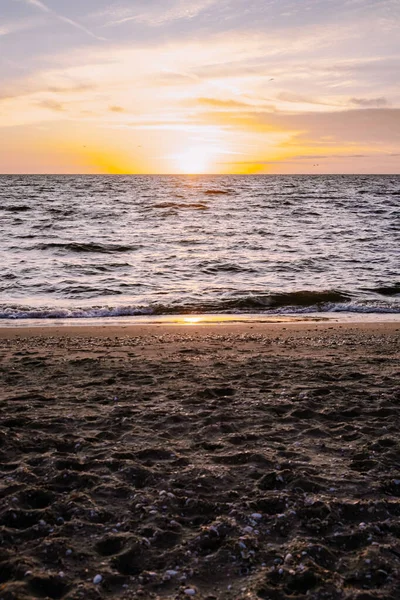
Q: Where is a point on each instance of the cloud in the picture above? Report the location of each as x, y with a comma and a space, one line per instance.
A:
223, 105
29, 88
51, 105
169, 78
216, 102
156, 14
305, 157
370, 102
44, 8
79, 87
299, 99
324, 156
38, 4
366, 126
16, 26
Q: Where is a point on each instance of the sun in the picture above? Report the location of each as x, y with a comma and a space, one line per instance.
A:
194, 160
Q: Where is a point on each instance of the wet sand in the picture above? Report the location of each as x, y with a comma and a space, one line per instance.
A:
235, 461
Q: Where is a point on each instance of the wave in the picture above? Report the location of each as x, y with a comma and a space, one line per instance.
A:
183, 205
17, 209
217, 192
26, 312
86, 247
386, 290
211, 269
300, 302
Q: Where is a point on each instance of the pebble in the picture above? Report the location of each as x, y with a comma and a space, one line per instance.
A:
190, 592
256, 516
288, 558
248, 529
97, 579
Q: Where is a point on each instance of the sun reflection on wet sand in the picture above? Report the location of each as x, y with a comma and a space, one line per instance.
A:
226, 319
181, 320
191, 320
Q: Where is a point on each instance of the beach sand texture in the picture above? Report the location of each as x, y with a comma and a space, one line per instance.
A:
248, 461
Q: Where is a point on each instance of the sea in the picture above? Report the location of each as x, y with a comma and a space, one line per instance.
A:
76, 247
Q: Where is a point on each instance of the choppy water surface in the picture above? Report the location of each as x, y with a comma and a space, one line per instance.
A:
77, 246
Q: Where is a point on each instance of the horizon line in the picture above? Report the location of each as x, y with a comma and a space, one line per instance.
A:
192, 174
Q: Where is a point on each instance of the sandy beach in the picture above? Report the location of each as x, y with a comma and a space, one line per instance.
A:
222, 461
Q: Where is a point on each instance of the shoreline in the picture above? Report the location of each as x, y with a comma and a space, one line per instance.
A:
197, 330
198, 321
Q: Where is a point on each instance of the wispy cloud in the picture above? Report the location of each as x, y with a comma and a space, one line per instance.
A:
68, 89
51, 105
16, 26
217, 103
300, 99
44, 8
37, 86
160, 13
230, 104
38, 4
370, 102
301, 158
362, 126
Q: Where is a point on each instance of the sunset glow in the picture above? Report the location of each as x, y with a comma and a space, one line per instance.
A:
194, 160
172, 87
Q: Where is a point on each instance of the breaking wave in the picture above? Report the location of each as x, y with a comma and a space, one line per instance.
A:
300, 302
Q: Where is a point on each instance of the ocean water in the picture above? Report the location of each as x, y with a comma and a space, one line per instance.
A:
109, 246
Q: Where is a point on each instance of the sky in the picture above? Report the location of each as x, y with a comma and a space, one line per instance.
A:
215, 86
